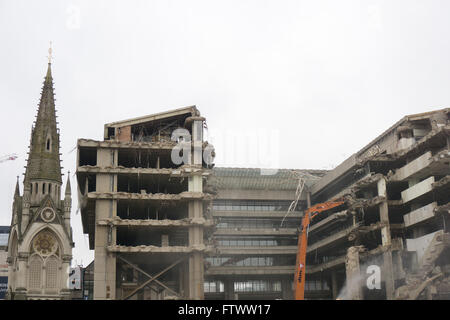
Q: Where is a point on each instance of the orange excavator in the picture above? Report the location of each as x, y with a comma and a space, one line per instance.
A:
310, 213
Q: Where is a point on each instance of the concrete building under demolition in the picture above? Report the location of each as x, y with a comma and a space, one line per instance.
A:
395, 216
143, 204
165, 230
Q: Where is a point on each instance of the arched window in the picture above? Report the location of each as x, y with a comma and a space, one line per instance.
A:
43, 188
35, 272
51, 269
45, 251
31, 188
48, 142
49, 188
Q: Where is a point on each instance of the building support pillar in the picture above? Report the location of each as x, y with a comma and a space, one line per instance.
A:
287, 292
388, 269
353, 284
229, 289
334, 285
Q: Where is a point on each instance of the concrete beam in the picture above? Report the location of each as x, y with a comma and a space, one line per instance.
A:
187, 222
257, 214
186, 195
340, 261
178, 172
338, 216
417, 190
328, 241
236, 270
257, 250
258, 194
155, 249
412, 168
255, 231
420, 215
332, 175
160, 145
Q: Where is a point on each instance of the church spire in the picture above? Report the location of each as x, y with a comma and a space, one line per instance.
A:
17, 192
43, 160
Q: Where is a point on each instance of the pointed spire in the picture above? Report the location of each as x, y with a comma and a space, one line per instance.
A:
17, 192
68, 189
44, 160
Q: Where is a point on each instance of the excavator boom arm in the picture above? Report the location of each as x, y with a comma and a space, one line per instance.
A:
300, 267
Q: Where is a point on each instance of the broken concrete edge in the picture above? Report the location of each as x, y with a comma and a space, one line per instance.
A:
338, 235
152, 196
443, 209
191, 119
441, 156
116, 221
367, 182
156, 249
126, 144
402, 154
183, 171
441, 183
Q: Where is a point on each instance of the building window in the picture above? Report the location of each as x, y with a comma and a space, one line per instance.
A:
250, 205
213, 287
48, 144
35, 272
51, 268
257, 286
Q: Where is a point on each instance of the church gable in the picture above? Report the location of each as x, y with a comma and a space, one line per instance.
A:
47, 212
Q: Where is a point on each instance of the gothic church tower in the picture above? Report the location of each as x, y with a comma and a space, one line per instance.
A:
40, 241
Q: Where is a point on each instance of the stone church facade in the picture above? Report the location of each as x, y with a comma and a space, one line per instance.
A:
40, 241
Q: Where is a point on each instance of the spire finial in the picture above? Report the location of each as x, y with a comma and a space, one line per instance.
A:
50, 53
68, 189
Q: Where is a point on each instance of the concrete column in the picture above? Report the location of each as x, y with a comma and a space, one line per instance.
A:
183, 280
308, 199
196, 267
353, 274
334, 285
104, 273
196, 259
287, 291
105, 263
197, 140
388, 270
229, 289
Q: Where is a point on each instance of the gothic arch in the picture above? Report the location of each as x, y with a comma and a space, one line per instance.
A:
44, 261
45, 243
57, 231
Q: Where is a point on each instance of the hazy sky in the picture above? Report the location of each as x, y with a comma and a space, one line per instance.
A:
317, 79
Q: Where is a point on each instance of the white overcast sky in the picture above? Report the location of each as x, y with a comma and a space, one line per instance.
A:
318, 79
